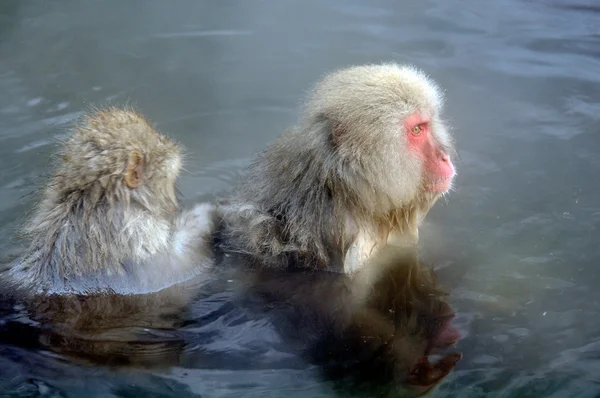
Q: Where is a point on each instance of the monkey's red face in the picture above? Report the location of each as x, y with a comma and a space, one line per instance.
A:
438, 168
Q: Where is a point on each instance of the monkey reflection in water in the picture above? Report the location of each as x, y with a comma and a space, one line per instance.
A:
371, 332
376, 329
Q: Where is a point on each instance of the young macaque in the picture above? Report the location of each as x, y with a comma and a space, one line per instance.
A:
366, 161
373, 330
111, 255
109, 219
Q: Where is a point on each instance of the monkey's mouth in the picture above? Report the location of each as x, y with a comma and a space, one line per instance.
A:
441, 185
426, 374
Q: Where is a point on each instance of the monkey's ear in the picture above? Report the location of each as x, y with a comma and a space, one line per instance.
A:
135, 169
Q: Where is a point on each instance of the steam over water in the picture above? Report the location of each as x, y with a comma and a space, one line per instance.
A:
517, 243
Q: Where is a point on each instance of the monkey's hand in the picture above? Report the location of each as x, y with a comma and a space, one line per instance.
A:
192, 236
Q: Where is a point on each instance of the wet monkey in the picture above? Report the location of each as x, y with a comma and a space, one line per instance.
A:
367, 159
365, 163
110, 253
109, 219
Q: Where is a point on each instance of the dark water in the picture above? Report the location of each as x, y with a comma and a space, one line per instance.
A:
517, 243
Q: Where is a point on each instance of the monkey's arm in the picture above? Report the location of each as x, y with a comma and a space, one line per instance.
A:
191, 252
193, 230
188, 255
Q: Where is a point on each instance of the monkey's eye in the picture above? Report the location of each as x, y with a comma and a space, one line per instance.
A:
416, 130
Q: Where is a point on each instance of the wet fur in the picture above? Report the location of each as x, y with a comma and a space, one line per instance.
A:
330, 191
92, 232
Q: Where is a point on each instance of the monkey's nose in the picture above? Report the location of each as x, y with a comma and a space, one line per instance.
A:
444, 156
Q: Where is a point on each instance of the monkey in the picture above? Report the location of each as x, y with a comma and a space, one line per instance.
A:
110, 251
109, 219
367, 159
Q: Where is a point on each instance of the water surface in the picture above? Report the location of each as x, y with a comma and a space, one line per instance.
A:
516, 243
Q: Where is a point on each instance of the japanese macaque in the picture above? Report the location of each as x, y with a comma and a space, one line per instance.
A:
109, 219
111, 255
373, 330
366, 161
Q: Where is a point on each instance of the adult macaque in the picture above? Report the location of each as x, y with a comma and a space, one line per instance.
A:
366, 161
374, 330
109, 219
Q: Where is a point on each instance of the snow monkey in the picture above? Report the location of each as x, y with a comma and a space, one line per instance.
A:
109, 219
367, 159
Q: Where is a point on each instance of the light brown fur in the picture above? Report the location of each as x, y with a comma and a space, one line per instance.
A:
109, 218
332, 190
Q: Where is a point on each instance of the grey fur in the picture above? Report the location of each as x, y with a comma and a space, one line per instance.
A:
335, 187
91, 232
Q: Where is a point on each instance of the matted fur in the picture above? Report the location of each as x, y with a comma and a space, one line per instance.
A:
330, 191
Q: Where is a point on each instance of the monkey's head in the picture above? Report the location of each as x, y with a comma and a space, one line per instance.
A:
384, 127
114, 154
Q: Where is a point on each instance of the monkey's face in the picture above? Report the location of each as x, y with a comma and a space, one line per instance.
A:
423, 143
412, 146
385, 128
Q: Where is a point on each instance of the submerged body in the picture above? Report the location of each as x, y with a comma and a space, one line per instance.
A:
366, 161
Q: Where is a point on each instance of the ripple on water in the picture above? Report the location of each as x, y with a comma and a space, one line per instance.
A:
519, 332
203, 33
